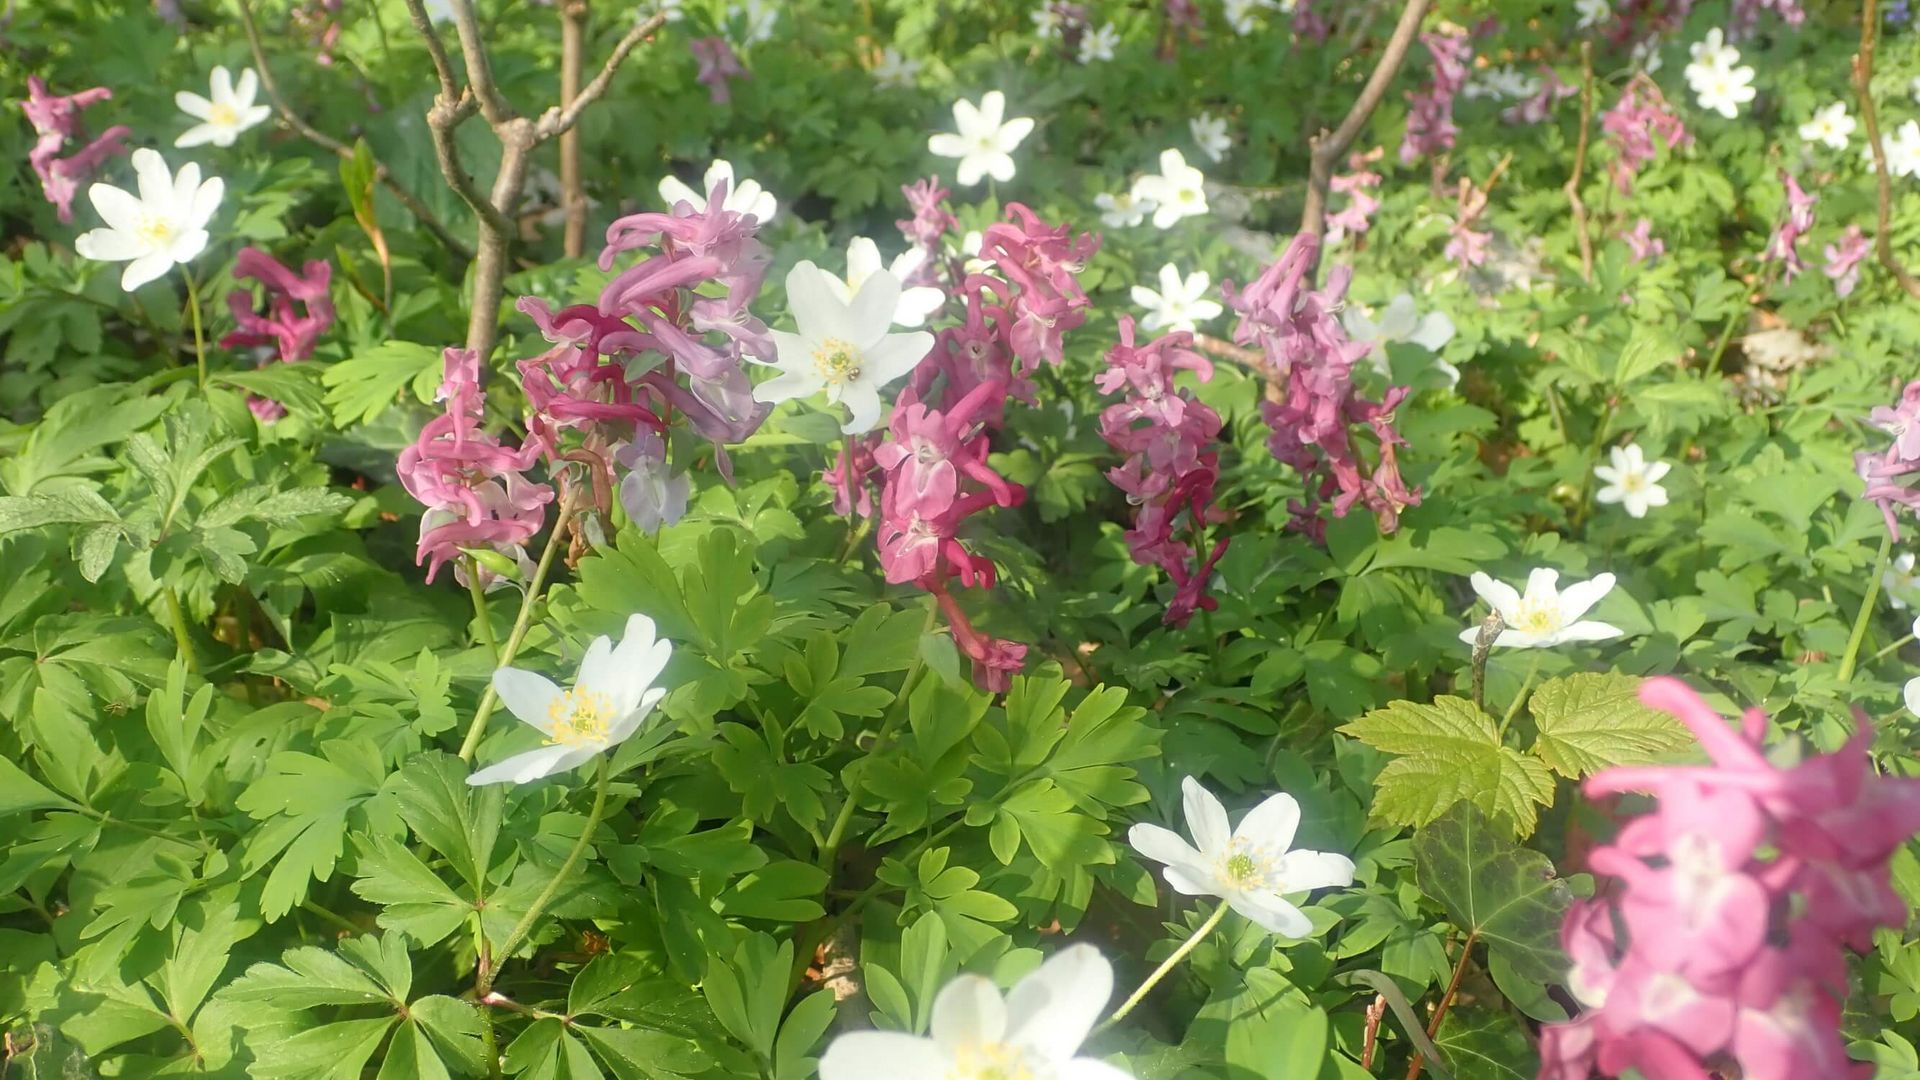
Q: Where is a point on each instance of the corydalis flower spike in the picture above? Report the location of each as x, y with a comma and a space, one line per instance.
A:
56, 122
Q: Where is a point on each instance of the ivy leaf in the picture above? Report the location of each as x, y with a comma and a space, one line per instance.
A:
1450, 752
1486, 1044
1497, 891
1589, 721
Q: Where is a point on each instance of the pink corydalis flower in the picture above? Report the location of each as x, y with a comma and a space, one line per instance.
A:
1042, 264
1170, 473
927, 229
1637, 125
719, 66
1784, 245
291, 334
1314, 425
1537, 108
1844, 257
1430, 127
1888, 474
1640, 240
1355, 218
472, 487
1721, 947
56, 121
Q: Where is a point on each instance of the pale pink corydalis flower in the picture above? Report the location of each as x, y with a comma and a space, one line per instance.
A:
1844, 257
56, 122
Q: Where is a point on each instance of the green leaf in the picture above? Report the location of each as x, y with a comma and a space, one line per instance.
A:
414, 899
20, 793
1451, 752
365, 385
1504, 895
305, 804
1589, 721
74, 506
432, 796
1486, 1044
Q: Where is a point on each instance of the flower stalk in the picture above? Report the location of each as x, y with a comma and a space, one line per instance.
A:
1867, 604
1172, 961
483, 986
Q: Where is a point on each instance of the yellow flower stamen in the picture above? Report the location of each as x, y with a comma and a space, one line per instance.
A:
580, 718
837, 362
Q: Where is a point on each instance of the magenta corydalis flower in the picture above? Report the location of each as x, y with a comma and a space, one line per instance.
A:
1170, 473
56, 121
1355, 218
291, 334
1720, 948
472, 487
1640, 240
719, 66
1315, 424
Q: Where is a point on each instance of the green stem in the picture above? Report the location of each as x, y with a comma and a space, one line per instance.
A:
1513, 709
1891, 648
489, 698
182, 642
898, 712
480, 615
1167, 965
199, 335
484, 985
333, 917
1867, 604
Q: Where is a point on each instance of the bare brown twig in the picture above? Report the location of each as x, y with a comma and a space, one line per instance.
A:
1326, 149
381, 173
573, 197
1863, 85
1572, 187
518, 135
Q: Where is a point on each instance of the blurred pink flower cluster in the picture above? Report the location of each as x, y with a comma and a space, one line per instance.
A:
475, 489
1722, 950
1314, 426
719, 66
1170, 468
1784, 244
1635, 127
927, 229
1887, 473
56, 121
1357, 184
1537, 108
320, 21
1844, 257
1430, 128
291, 334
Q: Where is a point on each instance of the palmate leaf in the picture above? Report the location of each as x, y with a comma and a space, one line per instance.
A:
304, 804
1504, 895
1450, 752
365, 385
1589, 721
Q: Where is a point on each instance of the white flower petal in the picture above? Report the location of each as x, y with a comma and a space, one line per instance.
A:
1272, 914
883, 1055
1053, 1009
1272, 823
1499, 595
968, 1011
524, 768
1206, 818
1577, 600
1305, 870
147, 268
528, 695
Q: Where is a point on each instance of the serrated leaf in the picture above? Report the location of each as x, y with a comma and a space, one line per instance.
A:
1590, 721
1503, 894
76, 506
1451, 753
272, 507
1409, 727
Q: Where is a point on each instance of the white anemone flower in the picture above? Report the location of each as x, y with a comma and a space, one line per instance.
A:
1178, 191
609, 700
1210, 135
969, 250
1591, 13
1901, 583
743, 197
1632, 481
1180, 302
1830, 126
916, 302
165, 224
1253, 867
985, 141
1546, 616
843, 346
757, 18
1099, 44
1724, 90
1122, 210
1034, 1032
1401, 322
1902, 149
1710, 53
226, 114
895, 72
1912, 695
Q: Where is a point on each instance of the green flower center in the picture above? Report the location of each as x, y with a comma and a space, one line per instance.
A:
837, 362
